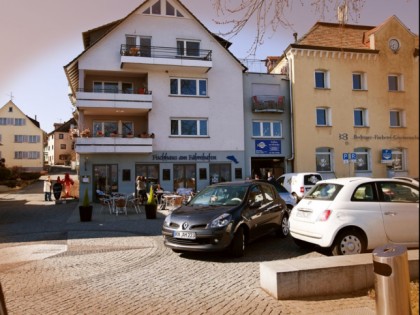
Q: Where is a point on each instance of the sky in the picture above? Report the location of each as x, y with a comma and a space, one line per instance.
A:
39, 37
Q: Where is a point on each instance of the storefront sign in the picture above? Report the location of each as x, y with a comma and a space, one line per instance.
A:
187, 157
386, 156
267, 146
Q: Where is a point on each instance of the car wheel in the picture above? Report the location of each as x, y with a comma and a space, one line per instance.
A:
284, 229
295, 197
237, 247
303, 244
348, 242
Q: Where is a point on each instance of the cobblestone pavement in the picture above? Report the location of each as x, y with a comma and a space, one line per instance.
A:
50, 263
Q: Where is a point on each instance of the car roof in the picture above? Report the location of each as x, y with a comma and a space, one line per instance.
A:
347, 180
237, 183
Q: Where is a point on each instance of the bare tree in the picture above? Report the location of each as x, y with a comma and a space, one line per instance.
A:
271, 14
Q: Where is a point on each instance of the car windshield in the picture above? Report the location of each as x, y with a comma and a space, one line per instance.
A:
220, 195
324, 192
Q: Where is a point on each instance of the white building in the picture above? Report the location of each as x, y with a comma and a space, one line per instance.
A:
162, 97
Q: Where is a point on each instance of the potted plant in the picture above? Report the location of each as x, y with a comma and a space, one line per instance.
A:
151, 205
85, 209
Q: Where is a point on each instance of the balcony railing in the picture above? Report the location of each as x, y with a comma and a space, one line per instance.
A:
96, 145
115, 91
268, 103
165, 52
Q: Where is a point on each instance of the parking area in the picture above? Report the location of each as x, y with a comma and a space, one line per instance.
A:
118, 265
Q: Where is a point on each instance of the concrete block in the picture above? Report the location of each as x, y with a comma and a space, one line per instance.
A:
297, 278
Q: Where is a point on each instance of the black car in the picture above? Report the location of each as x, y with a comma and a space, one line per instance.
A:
226, 216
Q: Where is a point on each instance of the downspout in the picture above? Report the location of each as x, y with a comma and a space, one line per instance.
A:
292, 147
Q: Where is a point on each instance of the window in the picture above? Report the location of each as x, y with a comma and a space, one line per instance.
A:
62, 146
323, 117
127, 128
362, 159
396, 118
395, 82
324, 156
60, 136
396, 192
159, 7
184, 176
27, 155
220, 173
27, 139
105, 127
321, 79
105, 87
360, 117
266, 129
359, 81
189, 127
188, 48
398, 159
191, 87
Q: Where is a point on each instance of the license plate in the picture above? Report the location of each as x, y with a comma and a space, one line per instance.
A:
186, 235
303, 214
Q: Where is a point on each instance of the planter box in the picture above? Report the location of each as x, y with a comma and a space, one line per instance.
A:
85, 213
150, 211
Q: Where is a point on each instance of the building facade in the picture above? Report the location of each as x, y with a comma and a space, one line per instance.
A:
60, 144
160, 96
354, 99
21, 139
267, 124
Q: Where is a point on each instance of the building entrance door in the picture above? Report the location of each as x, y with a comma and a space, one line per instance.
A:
261, 166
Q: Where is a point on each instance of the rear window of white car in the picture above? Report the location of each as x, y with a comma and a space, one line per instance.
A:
311, 179
324, 192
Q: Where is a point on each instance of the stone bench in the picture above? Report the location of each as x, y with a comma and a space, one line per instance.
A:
319, 276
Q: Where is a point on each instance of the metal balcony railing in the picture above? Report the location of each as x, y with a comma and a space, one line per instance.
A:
165, 52
267, 103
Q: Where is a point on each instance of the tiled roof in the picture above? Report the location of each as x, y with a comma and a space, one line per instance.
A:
335, 35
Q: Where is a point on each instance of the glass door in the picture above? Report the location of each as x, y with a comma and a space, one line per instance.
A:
105, 178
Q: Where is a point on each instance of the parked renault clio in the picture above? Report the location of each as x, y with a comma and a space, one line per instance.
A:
353, 215
226, 216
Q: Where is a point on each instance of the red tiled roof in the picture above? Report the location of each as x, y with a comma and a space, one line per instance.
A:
336, 36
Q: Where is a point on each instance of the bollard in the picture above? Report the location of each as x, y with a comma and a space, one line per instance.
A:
3, 309
392, 280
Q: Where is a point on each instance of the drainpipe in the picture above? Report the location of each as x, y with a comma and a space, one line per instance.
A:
292, 157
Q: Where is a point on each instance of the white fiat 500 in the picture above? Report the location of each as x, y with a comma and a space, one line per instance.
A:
353, 215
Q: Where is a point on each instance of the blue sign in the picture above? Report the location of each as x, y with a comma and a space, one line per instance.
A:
386, 156
345, 158
267, 146
353, 157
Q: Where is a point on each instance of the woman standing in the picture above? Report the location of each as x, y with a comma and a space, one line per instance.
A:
141, 188
47, 189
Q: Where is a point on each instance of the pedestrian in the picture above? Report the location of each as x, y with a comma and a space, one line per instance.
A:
57, 188
47, 189
269, 176
141, 188
68, 182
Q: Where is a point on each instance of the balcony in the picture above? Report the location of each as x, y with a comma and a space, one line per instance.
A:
267, 104
103, 145
108, 102
166, 58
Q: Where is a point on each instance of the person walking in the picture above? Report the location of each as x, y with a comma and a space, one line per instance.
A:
141, 188
47, 189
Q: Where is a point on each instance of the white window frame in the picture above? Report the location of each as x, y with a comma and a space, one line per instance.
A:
185, 42
328, 118
322, 164
399, 162
103, 83
198, 121
401, 118
400, 82
263, 124
365, 117
326, 75
363, 81
197, 83
360, 153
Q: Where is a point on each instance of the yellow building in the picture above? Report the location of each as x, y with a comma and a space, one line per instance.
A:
354, 99
21, 139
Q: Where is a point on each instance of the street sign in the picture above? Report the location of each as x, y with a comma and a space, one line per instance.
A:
345, 158
353, 157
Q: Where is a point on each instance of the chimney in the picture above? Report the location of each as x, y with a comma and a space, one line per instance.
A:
342, 14
295, 36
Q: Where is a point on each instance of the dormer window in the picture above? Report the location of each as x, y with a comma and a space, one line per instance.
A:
163, 6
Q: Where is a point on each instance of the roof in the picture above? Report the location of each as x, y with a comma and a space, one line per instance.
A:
335, 35
91, 37
65, 127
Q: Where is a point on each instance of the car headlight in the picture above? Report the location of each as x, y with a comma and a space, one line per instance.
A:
221, 220
167, 221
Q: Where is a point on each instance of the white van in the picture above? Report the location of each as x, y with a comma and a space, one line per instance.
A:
298, 184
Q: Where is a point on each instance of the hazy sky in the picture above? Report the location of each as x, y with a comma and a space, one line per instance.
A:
39, 37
